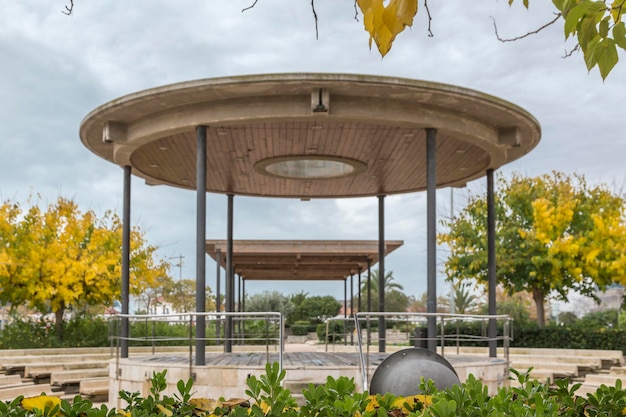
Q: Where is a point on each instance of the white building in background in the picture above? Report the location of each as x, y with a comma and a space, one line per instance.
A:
611, 299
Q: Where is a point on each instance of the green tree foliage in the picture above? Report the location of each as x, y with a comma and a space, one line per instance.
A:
597, 26
514, 307
554, 234
395, 299
420, 305
317, 308
465, 301
61, 258
298, 313
181, 294
389, 283
600, 319
270, 301
567, 318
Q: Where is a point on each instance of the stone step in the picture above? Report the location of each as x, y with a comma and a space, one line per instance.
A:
95, 389
69, 380
39, 371
558, 369
10, 380
8, 394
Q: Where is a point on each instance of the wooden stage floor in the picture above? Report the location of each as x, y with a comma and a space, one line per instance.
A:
291, 359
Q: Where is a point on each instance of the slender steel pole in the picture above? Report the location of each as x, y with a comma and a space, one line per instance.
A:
238, 306
431, 234
359, 290
218, 289
125, 330
230, 277
382, 331
243, 294
201, 170
351, 304
369, 301
345, 310
369, 285
491, 263
243, 308
351, 295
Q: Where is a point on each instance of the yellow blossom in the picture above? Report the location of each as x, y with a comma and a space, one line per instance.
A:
41, 403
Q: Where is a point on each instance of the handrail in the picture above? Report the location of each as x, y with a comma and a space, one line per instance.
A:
189, 321
410, 319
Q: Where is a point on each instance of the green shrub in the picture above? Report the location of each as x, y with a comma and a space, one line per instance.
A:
337, 398
81, 330
178, 333
300, 329
335, 331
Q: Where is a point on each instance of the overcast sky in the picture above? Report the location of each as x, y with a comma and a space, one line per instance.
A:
57, 68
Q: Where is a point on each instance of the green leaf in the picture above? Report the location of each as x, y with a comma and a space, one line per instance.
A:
619, 34
574, 16
586, 31
589, 52
604, 27
606, 56
559, 4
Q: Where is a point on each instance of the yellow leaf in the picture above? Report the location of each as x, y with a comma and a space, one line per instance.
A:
164, 410
41, 402
385, 23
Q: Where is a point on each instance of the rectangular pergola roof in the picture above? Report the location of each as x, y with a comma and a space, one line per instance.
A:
305, 260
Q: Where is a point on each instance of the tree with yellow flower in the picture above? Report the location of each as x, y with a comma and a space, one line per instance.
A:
555, 234
62, 258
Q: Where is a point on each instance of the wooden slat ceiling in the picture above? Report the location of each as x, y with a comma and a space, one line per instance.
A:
394, 158
310, 260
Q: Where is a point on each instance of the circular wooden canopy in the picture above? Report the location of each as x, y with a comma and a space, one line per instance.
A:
310, 260
309, 135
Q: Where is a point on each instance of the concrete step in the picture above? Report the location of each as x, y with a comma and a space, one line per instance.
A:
70, 380
589, 362
40, 371
10, 380
8, 394
95, 389
558, 369
606, 379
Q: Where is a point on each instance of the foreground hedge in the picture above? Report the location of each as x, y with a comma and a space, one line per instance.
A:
337, 398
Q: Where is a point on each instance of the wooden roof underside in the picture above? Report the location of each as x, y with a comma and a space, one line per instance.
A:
303, 260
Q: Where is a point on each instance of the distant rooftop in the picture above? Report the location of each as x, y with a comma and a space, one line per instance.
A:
299, 259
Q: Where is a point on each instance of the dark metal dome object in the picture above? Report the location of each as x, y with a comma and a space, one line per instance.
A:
401, 372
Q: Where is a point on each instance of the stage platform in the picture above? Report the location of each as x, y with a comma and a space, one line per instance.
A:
225, 374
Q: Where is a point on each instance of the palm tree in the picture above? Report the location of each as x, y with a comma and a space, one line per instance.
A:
396, 299
389, 285
464, 300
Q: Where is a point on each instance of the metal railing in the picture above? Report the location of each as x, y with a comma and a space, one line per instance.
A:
267, 329
451, 332
158, 330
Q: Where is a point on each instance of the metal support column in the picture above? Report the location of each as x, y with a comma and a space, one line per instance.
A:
201, 169
243, 308
230, 277
345, 310
491, 263
359, 289
218, 297
382, 330
238, 307
369, 285
369, 300
125, 328
351, 305
431, 234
